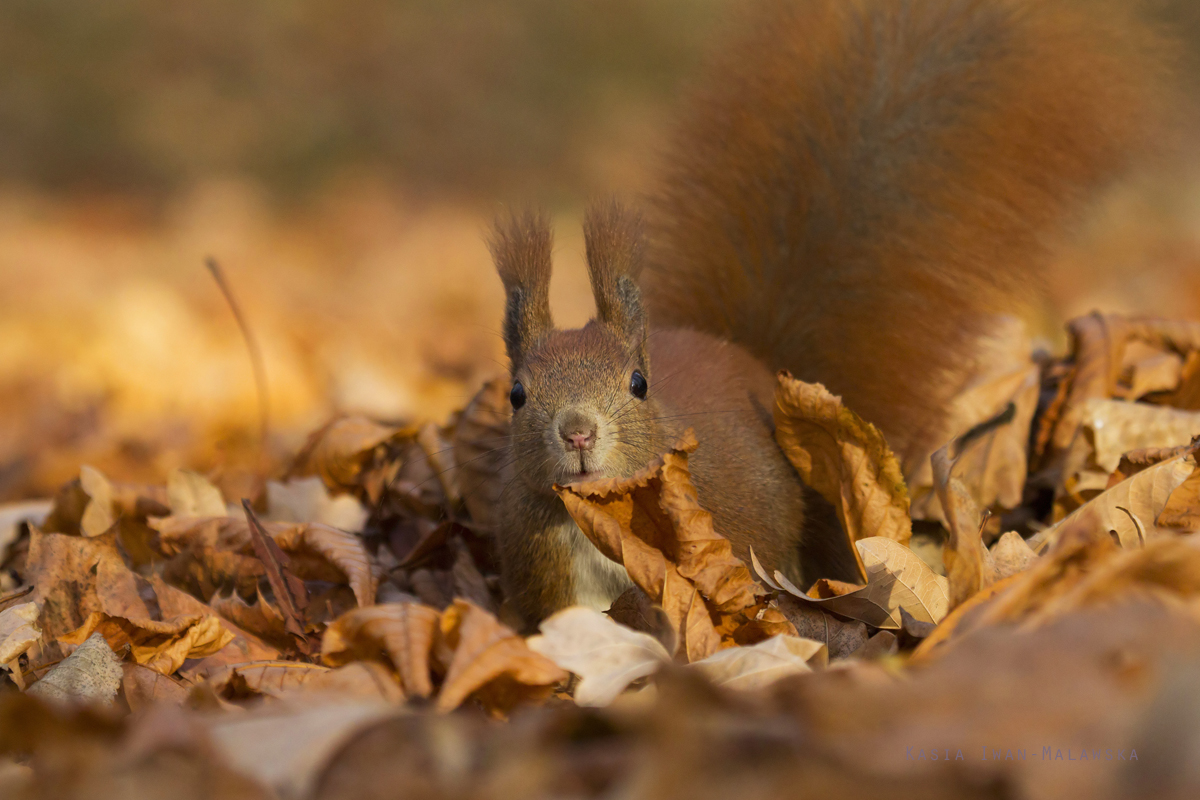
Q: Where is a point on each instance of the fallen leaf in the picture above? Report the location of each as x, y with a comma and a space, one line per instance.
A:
762, 664
18, 630
13, 514
262, 619
896, 577
843, 458
1119, 426
1130, 509
481, 448
145, 688
262, 678
161, 645
490, 662
1159, 372
307, 500
317, 551
98, 516
341, 451
192, 495
92, 674
402, 632
840, 637
968, 567
606, 656
244, 646
652, 523
990, 420
289, 590
1135, 461
879, 646
1182, 509
1011, 554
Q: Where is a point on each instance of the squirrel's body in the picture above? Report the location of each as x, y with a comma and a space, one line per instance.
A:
855, 191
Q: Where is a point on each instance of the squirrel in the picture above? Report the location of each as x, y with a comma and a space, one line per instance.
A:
853, 192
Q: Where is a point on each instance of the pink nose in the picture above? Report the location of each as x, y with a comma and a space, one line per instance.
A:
580, 441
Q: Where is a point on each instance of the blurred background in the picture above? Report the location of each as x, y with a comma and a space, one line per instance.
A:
341, 162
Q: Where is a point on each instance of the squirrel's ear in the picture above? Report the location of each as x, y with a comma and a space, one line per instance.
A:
521, 242
615, 241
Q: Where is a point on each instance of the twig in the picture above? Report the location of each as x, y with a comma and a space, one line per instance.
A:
256, 360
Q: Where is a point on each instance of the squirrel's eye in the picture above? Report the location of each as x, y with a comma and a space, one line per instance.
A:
517, 396
637, 385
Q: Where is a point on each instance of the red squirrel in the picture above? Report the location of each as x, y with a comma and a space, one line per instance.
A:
853, 191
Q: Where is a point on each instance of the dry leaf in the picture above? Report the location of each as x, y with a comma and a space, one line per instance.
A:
145, 688
490, 662
243, 647
1158, 372
92, 674
1130, 509
1182, 509
307, 500
991, 419
18, 630
481, 448
403, 632
161, 645
340, 451
606, 656
1118, 427
192, 495
317, 551
844, 458
98, 516
1011, 554
896, 578
289, 590
13, 514
841, 638
261, 618
653, 525
968, 568
262, 678
762, 664
1135, 461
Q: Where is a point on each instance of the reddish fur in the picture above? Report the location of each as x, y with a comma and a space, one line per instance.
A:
860, 183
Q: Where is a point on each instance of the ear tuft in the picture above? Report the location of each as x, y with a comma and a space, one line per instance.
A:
521, 243
615, 241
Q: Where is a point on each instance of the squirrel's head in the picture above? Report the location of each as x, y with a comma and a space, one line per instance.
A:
582, 404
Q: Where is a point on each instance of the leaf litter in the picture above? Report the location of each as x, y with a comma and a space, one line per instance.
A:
343, 631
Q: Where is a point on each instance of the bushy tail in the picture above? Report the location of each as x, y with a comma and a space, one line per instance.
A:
860, 184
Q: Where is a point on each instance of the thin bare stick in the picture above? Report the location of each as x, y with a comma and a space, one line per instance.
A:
256, 360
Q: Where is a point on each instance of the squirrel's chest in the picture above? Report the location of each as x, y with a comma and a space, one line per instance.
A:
596, 580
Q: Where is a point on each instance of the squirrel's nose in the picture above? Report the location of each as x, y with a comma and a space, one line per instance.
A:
578, 432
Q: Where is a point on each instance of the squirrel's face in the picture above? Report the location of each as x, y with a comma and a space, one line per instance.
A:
582, 409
